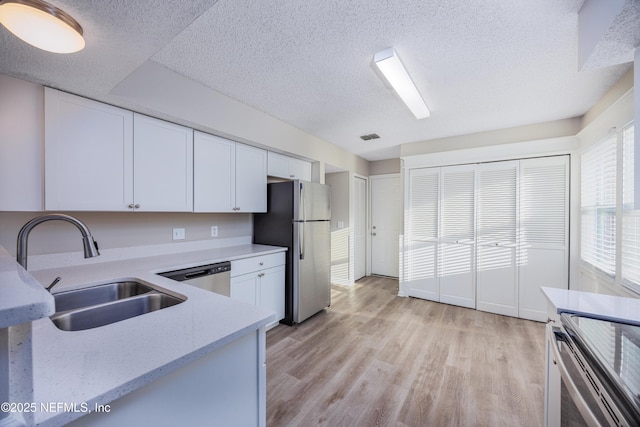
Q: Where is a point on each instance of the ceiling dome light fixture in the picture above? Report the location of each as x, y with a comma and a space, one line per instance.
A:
42, 25
388, 62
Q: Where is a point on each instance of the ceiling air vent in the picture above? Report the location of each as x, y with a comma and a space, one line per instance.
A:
370, 136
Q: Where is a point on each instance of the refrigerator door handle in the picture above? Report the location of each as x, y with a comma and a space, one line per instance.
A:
303, 204
301, 239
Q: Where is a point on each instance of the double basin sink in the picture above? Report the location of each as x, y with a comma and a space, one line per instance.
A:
102, 305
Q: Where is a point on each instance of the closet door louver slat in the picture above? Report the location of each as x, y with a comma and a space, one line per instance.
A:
457, 236
422, 250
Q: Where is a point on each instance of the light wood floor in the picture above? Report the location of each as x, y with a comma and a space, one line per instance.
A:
376, 359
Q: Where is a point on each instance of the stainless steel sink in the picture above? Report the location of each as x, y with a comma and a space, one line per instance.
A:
101, 294
105, 304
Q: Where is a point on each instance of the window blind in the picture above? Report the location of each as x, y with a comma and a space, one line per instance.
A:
630, 217
598, 205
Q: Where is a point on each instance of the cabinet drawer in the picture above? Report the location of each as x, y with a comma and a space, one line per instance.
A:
256, 263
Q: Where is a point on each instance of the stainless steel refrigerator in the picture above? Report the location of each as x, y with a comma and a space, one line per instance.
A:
298, 217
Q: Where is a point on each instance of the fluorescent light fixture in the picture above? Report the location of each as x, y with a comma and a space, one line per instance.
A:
390, 65
42, 25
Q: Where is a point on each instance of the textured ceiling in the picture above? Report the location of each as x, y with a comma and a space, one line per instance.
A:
480, 64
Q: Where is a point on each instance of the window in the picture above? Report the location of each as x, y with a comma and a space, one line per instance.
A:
630, 249
598, 205
610, 228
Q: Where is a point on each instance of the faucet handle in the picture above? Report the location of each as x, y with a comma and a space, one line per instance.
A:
55, 282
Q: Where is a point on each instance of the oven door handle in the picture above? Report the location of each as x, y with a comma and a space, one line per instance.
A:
577, 398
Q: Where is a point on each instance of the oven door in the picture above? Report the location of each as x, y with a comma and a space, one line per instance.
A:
583, 399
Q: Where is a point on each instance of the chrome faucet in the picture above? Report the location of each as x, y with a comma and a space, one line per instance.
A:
88, 243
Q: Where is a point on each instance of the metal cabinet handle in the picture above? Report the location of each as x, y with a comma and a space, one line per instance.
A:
130, 205
137, 206
261, 263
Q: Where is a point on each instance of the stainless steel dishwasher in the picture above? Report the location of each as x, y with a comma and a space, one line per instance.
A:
212, 277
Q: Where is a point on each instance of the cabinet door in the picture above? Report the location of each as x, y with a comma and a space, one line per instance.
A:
251, 179
271, 290
497, 278
277, 165
243, 288
163, 166
214, 171
457, 236
299, 169
21, 130
422, 252
544, 224
88, 154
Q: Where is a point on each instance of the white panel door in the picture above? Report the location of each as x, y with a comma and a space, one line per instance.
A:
162, 166
214, 170
251, 179
421, 252
544, 224
457, 235
386, 224
88, 154
497, 209
359, 228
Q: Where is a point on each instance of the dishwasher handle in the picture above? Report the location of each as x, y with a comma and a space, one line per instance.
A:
199, 271
196, 274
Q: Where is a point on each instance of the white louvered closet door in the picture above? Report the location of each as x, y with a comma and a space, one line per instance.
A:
457, 235
544, 239
497, 288
421, 276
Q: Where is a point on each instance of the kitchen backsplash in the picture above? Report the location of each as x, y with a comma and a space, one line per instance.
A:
114, 230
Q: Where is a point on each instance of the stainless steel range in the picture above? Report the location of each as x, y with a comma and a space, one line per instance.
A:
599, 365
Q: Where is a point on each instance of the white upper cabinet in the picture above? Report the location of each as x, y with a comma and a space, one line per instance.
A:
287, 167
162, 166
251, 179
88, 154
102, 158
214, 171
21, 130
228, 176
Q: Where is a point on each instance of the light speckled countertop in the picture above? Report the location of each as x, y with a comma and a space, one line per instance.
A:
101, 364
607, 307
22, 298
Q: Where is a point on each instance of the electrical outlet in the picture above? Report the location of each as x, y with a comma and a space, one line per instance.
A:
214, 231
178, 234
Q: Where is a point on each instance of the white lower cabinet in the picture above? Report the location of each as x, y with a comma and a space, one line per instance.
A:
260, 281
